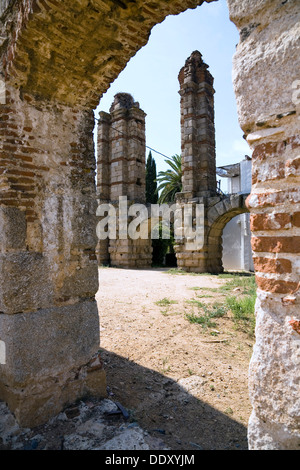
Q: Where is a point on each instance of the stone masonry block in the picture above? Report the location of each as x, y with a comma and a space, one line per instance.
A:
26, 285
12, 229
47, 340
46, 361
82, 283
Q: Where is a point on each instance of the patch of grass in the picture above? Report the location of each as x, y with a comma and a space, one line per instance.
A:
164, 302
247, 284
242, 309
211, 289
176, 271
201, 295
167, 313
216, 310
202, 320
227, 275
195, 302
209, 312
242, 305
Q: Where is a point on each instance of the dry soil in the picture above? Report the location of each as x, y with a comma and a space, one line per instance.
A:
180, 381
172, 384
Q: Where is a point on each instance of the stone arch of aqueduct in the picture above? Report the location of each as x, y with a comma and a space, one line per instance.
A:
57, 59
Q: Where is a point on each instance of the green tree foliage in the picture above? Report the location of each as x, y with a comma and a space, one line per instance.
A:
151, 184
170, 181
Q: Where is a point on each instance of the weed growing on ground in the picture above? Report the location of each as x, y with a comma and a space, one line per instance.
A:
195, 302
201, 295
202, 320
165, 368
210, 312
242, 305
164, 302
176, 271
243, 311
245, 283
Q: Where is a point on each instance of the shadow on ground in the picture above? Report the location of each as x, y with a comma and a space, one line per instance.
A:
165, 409
145, 410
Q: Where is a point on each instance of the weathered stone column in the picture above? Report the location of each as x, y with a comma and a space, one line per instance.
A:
121, 173
127, 133
197, 127
198, 160
103, 178
49, 324
266, 79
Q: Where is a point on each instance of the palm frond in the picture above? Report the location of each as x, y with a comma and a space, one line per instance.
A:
170, 180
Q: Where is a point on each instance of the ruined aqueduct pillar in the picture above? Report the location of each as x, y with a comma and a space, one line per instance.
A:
121, 173
209, 211
198, 148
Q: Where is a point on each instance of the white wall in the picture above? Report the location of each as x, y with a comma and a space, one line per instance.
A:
237, 252
245, 176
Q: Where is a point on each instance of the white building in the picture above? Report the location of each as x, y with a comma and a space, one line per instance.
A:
237, 252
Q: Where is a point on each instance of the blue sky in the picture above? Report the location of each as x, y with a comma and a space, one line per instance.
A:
151, 77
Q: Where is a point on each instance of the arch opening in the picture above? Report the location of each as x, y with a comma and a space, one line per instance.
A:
54, 66
236, 243
234, 208
190, 261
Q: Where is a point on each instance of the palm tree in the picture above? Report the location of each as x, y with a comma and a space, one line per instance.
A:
170, 181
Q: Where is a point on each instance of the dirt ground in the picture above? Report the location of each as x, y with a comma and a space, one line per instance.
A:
171, 384
179, 381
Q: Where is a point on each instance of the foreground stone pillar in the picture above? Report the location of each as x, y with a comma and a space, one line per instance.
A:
266, 78
49, 324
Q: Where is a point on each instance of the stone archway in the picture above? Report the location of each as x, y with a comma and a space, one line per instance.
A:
218, 216
57, 58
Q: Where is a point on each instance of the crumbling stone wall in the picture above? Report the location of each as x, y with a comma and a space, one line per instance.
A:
57, 58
